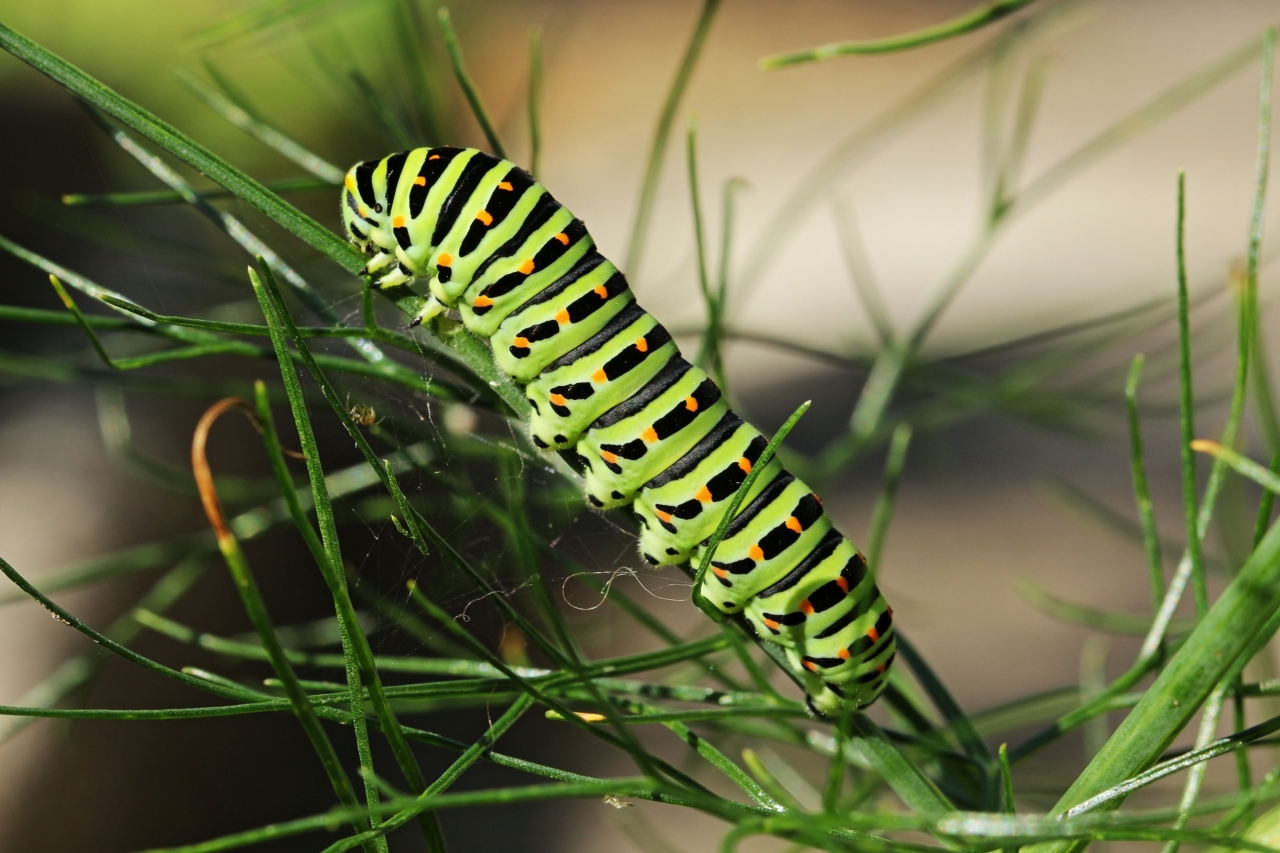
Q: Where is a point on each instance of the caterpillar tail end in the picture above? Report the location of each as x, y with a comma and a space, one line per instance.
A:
430, 308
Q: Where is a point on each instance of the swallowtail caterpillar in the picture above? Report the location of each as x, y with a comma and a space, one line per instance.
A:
606, 382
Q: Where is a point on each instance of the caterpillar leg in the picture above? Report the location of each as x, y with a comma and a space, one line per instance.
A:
430, 308
395, 278
377, 262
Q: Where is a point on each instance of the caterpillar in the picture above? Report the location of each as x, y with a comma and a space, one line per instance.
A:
606, 382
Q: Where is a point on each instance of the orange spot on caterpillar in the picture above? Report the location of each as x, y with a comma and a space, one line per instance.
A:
434, 157
363, 211
526, 267
873, 633
557, 399
608, 457
843, 584
522, 343
811, 666
506, 185
600, 376
691, 404
350, 182
485, 302
755, 553
880, 668
844, 654
703, 495
445, 260
602, 291
719, 572
397, 222
745, 464
641, 344
650, 435
665, 516
771, 624
793, 524
562, 316
484, 216
419, 181
563, 238
806, 607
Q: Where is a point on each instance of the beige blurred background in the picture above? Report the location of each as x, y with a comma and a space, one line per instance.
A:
975, 512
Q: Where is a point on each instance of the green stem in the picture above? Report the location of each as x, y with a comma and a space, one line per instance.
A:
82, 322
186, 149
535, 101
883, 512
472, 754
331, 567
966, 23
658, 148
709, 552
464, 81
708, 355
1219, 641
1150, 536
256, 609
1186, 401
149, 197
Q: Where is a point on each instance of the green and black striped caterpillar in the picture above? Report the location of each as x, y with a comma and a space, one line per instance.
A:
606, 381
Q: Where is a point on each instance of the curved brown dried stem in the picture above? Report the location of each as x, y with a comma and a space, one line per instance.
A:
200, 462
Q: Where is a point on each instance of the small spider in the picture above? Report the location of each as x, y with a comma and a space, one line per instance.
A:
362, 414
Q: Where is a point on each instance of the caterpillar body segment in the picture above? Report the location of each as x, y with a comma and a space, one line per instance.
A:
605, 381
650, 431
584, 383
527, 342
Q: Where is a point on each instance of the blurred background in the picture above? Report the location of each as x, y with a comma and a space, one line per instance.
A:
858, 170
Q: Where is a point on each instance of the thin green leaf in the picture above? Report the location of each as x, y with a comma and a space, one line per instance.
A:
882, 514
238, 693
1194, 758
1187, 413
492, 796
1195, 776
1142, 492
624, 737
1219, 639
535, 101
966, 23
371, 97
662, 135
256, 609
330, 174
74, 673
1242, 464
361, 666
83, 323
186, 149
464, 82
1266, 503
709, 551
858, 264
1095, 618
279, 316
915, 789
442, 783
946, 704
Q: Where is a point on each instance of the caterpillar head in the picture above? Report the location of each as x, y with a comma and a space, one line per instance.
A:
364, 210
